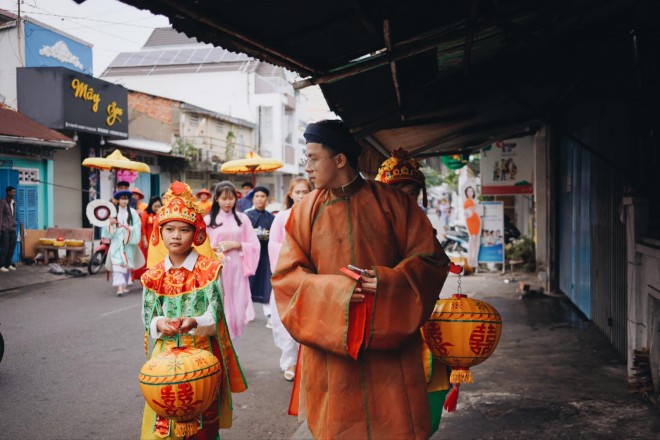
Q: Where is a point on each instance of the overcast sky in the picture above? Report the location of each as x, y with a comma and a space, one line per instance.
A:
109, 25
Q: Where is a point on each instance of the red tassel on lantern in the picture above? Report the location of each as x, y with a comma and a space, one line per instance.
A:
452, 399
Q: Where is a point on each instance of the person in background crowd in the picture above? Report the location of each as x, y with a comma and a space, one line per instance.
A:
359, 329
147, 219
298, 188
443, 212
8, 219
138, 195
182, 306
124, 234
261, 222
231, 233
245, 202
205, 199
275, 207
403, 172
123, 185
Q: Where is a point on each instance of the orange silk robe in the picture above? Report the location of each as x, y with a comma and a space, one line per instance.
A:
361, 372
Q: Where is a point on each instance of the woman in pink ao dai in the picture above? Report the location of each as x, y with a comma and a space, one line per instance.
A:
231, 233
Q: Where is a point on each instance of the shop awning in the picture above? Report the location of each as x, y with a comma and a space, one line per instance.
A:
16, 128
143, 145
433, 77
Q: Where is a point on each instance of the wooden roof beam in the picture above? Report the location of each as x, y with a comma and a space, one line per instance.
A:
388, 122
399, 51
494, 128
395, 80
469, 39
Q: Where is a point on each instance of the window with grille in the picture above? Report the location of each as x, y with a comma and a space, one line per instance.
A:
28, 176
193, 120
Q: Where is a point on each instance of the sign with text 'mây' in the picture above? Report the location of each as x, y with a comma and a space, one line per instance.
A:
63, 99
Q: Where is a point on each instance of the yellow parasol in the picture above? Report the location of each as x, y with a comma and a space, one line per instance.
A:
116, 161
252, 164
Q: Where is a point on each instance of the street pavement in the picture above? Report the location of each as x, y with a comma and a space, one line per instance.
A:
73, 350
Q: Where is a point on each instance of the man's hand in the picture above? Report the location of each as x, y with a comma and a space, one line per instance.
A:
368, 284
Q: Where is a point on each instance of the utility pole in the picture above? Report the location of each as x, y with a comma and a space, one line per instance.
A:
19, 30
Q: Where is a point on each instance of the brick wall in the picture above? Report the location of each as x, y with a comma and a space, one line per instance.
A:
154, 107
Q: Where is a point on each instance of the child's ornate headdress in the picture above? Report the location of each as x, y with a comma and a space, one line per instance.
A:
180, 204
402, 168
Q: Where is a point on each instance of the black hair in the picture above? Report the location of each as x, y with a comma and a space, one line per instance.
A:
474, 193
123, 183
262, 189
128, 207
247, 183
223, 187
152, 200
337, 125
9, 188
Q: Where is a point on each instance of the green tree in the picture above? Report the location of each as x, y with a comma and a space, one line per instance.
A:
230, 145
185, 149
432, 176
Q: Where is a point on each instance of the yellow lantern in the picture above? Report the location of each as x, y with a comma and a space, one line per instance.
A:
180, 384
462, 332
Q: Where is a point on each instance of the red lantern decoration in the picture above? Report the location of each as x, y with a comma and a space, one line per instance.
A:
462, 332
180, 384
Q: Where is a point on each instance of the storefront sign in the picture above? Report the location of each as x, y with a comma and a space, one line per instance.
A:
506, 167
66, 100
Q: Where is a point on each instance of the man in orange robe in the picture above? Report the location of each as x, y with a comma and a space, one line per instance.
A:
361, 374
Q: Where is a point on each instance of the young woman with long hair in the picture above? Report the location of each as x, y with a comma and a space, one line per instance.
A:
298, 188
231, 233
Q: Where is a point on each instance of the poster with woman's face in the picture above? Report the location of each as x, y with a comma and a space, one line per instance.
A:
472, 216
469, 198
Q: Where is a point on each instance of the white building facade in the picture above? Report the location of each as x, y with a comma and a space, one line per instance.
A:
180, 68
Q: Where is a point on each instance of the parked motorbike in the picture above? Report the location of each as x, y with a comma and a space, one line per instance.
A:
98, 257
456, 240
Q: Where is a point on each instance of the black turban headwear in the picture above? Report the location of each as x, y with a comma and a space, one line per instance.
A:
262, 189
335, 135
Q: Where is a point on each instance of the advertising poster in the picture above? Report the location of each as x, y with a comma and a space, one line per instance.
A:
506, 167
492, 233
472, 211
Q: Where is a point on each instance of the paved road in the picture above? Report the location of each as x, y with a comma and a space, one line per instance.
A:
73, 351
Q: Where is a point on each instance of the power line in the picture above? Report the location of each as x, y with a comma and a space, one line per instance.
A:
112, 23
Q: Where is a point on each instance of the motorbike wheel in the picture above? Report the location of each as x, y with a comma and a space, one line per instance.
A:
451, 246
96, 262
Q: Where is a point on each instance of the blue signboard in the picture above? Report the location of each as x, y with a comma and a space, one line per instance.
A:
45, 48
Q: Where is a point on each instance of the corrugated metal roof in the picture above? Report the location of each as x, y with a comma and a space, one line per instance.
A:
144, 145
439, 76
13, 123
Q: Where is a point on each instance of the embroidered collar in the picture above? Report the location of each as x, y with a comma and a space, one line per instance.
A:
188, 263
345, 191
